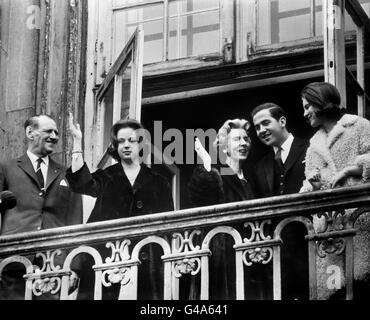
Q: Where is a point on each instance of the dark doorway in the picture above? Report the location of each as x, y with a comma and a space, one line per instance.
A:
213, 110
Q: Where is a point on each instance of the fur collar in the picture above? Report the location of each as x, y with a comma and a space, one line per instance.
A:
345, 122
321, 142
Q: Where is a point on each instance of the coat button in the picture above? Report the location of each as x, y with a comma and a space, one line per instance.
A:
41, 194
139, 204
39, 228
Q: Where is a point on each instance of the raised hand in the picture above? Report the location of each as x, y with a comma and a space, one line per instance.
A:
75, 130
203, 154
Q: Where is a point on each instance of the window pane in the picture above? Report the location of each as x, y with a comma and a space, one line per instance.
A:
117, 3
151, 18
126, 90
350, 25
318, 24
288, 5
108, 116
185, 6
108, 102
366, 6
301, 28
283, 20
193, 33
264, 23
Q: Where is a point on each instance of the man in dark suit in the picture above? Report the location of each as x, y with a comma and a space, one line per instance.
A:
279, 172
285, 175
44, 199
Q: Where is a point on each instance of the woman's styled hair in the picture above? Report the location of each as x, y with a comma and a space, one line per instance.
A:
221, 138
324, 96
121, 124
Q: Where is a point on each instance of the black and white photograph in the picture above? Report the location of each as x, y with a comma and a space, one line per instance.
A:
183, 156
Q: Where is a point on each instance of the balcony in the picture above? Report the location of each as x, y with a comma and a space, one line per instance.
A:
184, 239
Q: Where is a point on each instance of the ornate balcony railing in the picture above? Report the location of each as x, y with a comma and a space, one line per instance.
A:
185, 238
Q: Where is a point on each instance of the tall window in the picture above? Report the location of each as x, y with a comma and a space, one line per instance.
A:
288, 20
173, 28
119, 95
194, 28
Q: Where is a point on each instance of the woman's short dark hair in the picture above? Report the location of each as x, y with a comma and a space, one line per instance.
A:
121, 124
324, 96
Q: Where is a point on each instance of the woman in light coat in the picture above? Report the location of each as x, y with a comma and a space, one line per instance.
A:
339, 152
338, 156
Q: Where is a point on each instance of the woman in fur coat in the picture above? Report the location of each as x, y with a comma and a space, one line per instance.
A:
338, 156
339, 152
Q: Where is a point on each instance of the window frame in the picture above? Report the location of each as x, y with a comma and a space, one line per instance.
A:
247, 39
131, 53
166, 20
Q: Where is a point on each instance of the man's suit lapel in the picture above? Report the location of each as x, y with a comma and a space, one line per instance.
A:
54, 170
25, 164
295, 151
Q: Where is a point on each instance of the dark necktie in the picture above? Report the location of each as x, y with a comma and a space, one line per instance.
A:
278, 160
39, 175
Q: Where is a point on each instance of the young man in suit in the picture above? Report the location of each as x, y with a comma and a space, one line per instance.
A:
44, 199
280, 172
285, 175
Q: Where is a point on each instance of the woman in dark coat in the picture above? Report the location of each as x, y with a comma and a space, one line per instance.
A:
125, 189
228, 183
209, 186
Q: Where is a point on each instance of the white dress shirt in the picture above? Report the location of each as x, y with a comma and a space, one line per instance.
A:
44, 165
285, 148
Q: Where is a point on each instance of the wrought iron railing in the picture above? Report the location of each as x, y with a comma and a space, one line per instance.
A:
185, 238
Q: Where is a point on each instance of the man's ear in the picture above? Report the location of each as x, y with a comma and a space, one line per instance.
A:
29, 133
282, 121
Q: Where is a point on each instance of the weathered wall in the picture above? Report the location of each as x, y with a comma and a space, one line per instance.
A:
18, 72
42, 70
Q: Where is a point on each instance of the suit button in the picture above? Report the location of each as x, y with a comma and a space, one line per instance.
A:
39, 228
41, 194
281, 183
282, 176
139, 204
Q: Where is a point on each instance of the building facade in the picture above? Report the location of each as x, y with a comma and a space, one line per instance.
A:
176, 65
